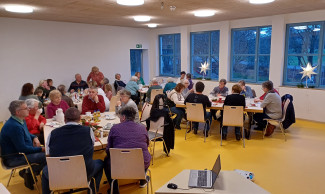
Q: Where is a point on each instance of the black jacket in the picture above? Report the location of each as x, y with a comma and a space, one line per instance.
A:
290, 113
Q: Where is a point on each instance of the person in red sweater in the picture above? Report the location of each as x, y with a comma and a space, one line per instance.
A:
35, 121
93, 102
96, 75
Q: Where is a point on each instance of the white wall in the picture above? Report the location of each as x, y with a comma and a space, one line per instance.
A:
32, 50
308, 102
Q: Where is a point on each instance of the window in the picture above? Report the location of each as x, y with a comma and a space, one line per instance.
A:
169, 55
250, 55
136, 61
305, 44
205, 48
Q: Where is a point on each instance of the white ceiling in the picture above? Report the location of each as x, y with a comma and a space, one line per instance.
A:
108, 12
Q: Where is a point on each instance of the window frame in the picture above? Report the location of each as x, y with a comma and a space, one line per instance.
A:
175, 67
256, 55
320, 54
209, 56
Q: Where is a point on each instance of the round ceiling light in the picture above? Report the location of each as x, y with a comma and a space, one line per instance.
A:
152, 25
204, 13
141, 18
19, 8
130, 2
260, 1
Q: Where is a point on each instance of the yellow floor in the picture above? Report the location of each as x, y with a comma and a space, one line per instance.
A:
295, 166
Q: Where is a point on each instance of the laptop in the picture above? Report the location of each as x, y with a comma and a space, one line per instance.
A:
205, 178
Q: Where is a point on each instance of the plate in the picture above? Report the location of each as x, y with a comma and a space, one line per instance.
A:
110, 117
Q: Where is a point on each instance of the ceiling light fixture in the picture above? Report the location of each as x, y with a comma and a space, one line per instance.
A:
141, 18
260, 1
19, 8
130, 2
152, 25
204, 13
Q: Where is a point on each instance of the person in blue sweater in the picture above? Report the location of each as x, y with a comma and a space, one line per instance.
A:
170, 85
15, 138
70, 140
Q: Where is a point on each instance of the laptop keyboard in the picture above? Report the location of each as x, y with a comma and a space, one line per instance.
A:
202, 178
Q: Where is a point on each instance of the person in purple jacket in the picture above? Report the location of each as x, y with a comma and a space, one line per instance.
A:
127, 134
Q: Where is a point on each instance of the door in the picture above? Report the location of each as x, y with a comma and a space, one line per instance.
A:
136, 61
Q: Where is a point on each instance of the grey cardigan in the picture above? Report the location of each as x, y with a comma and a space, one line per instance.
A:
272, 105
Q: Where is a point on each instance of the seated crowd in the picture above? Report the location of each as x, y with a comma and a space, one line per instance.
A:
24, 131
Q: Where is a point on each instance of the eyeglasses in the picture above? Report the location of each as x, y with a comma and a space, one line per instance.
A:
24, 108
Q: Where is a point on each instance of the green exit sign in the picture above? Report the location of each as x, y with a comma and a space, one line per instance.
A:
138, 45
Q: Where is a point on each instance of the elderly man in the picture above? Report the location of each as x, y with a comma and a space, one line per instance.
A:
187, 91
246, 90
154, 85
15, 138
64, 97
35, 121
70, 140
78, 84
93, 102
126, 101
127, 134
219, 91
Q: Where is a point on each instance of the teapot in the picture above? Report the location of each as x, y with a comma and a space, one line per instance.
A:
59, 116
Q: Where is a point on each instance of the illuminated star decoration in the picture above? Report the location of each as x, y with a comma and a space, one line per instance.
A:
308, 71
204, 67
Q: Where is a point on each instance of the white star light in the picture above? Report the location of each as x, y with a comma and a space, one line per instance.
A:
308, 71
204, 67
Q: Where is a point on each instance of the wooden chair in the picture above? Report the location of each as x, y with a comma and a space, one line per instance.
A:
128, 164
195, 113
233, 116
112, 103
279, 121
156, 132
154, 93
13, 169
145, 113
68, 172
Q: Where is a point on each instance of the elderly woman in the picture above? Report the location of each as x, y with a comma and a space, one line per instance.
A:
186, 90
56, 102
96, 75
118, 83
154, 85
170, 85
126, 101
272, 108
35, 121
27, 92
177, 98
67, 99
133, 87
140, 79
46, 89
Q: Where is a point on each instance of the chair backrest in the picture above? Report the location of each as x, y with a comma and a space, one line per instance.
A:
68, 172
285, 107
195, 112
157, 126
154, 93
254, 93
233, 116
112, 103
127, 163
145, 112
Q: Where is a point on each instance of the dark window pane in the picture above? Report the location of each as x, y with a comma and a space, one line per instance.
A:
263, 68
196, 64
294, 68
200, 43
322, 75
214, 67
244, 41
178, 65
177, 44
167, 44
243, 67
136, 60
265, 40
166, 65
215, 43
303, 39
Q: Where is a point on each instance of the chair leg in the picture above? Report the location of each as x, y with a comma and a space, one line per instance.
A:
150, 181
264, 130
243, 136
221, 136
165, 146
112, 186
14, 173
205, 131
186, 129
153, 151
11, 175
94, 180
282, 129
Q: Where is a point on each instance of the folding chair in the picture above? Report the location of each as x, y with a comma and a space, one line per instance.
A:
13, 169
233, 116
156, 132
145, 113
128, 163
154, 93
279, 121
195, 113
112, 103
68, 172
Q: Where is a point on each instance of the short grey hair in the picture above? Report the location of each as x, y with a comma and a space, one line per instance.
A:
170, 79
14, 106
61, 88
125, 93
154, 80
31, 103
128, 112
94, 88
134, 78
